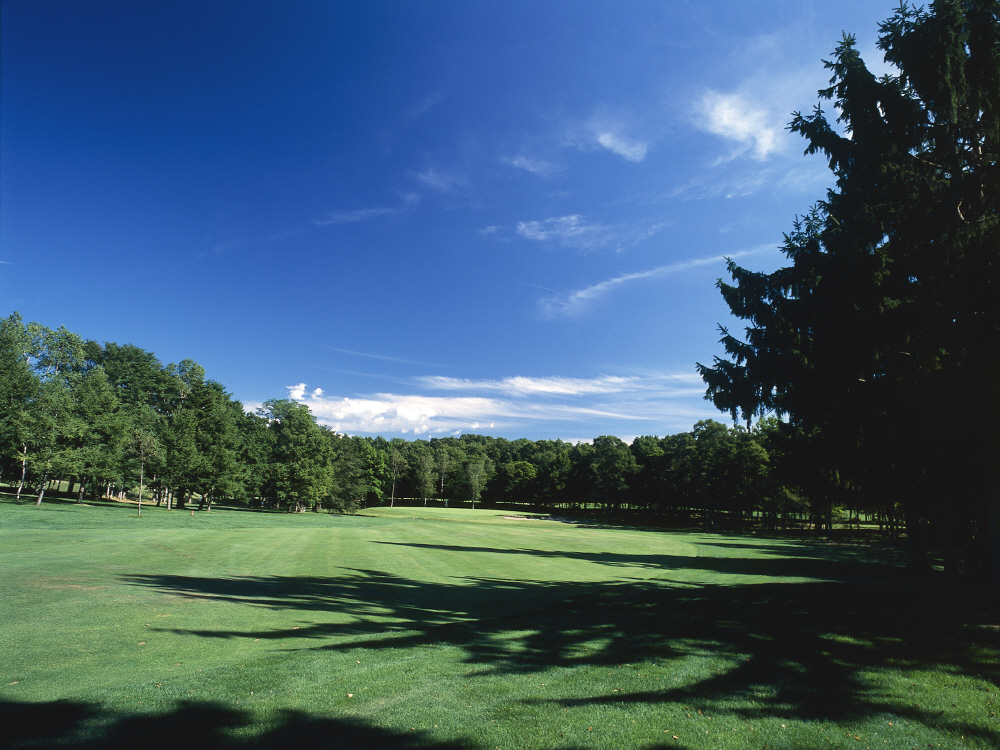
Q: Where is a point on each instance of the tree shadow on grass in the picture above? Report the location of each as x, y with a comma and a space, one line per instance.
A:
189, 726
194, 725
800, 650
777, 560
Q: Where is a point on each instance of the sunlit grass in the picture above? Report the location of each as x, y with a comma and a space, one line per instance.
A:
446, 627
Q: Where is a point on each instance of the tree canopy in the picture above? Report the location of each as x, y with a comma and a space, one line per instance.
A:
885, 328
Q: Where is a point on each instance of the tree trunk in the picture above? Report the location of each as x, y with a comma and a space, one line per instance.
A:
41, 491
24, 470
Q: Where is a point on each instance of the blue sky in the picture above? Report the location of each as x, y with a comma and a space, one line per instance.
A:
420, 218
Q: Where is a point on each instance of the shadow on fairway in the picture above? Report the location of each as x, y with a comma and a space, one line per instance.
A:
191, 725
787, 561
788, 649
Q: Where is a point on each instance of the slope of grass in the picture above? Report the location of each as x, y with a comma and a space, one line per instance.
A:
412, 627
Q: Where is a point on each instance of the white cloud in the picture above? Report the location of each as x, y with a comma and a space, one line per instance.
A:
414, 414
538, 167
738, 119
805, 177
578, 301
648, 399
350, 217
563, 228
379, 356
442, 181
629, 148
426, 104
610, 132
366, 214
524, 386
573, 231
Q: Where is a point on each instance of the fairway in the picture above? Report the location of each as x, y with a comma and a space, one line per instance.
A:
412, 627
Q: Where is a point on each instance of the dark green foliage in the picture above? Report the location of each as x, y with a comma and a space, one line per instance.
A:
301, 453
885, 328
422, 465
19, 388
513, 481
613, 466
96, 431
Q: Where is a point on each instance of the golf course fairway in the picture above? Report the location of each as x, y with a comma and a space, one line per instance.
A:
413, 627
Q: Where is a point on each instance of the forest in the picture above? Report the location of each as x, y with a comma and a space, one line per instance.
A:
112, 420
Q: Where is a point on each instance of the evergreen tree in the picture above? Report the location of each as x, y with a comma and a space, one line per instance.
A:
885, 328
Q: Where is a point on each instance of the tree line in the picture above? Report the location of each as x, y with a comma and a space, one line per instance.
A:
112, 420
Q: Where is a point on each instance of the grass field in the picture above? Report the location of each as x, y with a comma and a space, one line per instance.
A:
455, 628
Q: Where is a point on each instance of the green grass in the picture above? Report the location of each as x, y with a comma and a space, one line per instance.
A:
414, 627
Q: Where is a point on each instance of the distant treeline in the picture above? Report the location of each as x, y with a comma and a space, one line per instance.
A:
112, 420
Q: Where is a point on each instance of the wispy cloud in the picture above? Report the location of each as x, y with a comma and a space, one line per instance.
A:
568, 230
407, 201
575, 232
524, 386
609, 133
442, 181
225, 246
751, 115
382, 357
426, 104
350, 217
578, 301
741, 121
538, 167
646, 402
629, 148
